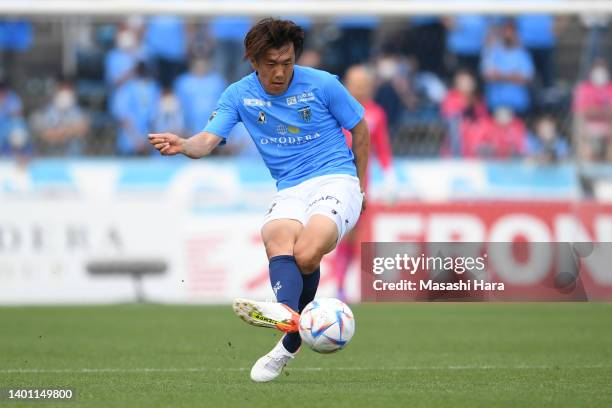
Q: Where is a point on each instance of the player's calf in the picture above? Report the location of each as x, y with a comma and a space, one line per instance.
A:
307, 258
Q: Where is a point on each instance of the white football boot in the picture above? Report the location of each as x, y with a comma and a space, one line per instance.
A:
267, 314
270, 366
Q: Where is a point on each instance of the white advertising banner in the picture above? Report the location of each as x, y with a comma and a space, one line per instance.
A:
46, 246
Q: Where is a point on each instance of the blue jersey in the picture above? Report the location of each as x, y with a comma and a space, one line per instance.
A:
298, 133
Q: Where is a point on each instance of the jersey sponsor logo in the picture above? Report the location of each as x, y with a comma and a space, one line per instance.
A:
212, 116
326, 198
305, 113
255, 102
293, 130
281, 130
305, 97
288, 140
261, 118
300, 98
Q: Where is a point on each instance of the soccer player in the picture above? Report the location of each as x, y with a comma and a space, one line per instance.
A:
295, 117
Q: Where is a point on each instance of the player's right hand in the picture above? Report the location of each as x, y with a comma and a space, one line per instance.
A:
168, 144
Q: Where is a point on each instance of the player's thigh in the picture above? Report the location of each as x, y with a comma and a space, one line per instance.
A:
280, 235
333, 209
338, 198
283, 222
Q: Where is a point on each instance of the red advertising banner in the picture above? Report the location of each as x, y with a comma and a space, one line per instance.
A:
532, 250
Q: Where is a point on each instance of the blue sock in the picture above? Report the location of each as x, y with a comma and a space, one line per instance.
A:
286, 280
310, 283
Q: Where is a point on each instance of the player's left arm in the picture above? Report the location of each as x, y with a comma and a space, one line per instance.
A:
361, 151
349, 114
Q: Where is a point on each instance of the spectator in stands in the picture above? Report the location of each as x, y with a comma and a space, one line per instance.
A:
431, 91
14, 136
227, 34
395, 92
502, 137
169, 116
462, 103
133, 106
167, 43
121, 61
538, 34
407, 95
198, 91
507, 69
593, 114
466, 35
463, 100
545, 145
360, 83
61, 126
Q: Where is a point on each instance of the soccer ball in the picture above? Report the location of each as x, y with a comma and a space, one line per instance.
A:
327, 325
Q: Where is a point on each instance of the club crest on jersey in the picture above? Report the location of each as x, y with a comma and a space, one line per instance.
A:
305, 113
261, 118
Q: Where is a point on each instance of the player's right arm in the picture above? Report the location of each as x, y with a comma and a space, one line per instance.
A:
194, 147
219, 126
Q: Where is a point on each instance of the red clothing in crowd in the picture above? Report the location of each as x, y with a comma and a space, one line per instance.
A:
588, 97
380, 146
488, 138
456, 103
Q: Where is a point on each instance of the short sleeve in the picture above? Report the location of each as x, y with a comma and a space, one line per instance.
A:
342, 105
224, 117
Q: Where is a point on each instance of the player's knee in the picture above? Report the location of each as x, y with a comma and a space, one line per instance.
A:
276, 247
308, 257
279, 237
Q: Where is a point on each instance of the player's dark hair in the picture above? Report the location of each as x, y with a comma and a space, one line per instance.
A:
272, 33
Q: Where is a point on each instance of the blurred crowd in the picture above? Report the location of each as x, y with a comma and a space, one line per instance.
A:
490, 83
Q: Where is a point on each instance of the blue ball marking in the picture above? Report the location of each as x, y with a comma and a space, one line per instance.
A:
337, 342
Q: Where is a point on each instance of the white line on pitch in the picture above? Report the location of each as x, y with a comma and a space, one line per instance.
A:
203, 369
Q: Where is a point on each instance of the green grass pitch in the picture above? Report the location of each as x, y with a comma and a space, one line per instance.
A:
412, 355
